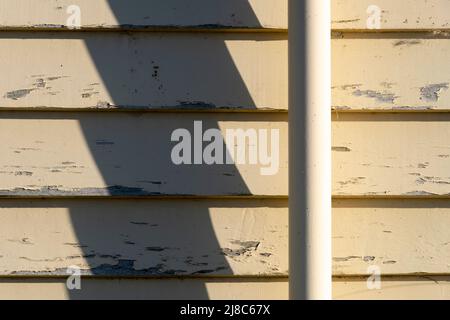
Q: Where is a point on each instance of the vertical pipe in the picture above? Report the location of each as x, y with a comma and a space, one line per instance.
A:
310, 149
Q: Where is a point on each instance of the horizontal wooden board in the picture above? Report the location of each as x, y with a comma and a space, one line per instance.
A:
396, 236
91, 154
140, 289
395, 15
392, 72
397, 288
144, 238
218, 14
207, 238
130, 154
156, 71
144, 14
145, 71
391, 154
417, 288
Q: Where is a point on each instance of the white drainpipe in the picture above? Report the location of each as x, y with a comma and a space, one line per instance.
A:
310, 149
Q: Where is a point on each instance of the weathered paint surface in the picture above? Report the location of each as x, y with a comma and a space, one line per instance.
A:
219, 14
106, 154
154, 289
182, 71
221, 289
391, 155
145, 14
127, 154
391, 72
408, 15
157, 238
215, 72
210, 238
85, 159
400, 237
394, 288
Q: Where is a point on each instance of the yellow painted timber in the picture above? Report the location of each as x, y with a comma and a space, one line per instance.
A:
70, 154
413, 288
140, 289
408, 15
207, 238
391, 154
215, 72
144, 14
157, 238
397, 288
143, 71
130, 154
391, 73
395, 236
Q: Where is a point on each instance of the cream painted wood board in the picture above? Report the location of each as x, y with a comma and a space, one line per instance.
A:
143, 14
391, 154
130, 154
141, 289
167, 71
392, 72
207, 238
90, 154
399, 288
396, 236
407, 15
157, 238
145, 71
414, 288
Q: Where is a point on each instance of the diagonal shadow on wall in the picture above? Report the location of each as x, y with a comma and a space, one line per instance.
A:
138, 68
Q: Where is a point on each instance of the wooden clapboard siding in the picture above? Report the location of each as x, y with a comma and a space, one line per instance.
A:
221, 289
87, 159
392, 72
215, 72
177, 247
394, 288
397, 68
408, 15
158, 238
401, 237
138, 289
391, 154
208, 238
126, 154
205, 15
151, 71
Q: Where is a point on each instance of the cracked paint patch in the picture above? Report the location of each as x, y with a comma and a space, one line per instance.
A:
381, 97
431, 92
18, 94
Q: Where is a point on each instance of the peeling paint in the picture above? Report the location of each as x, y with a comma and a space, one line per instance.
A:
245, 247
380, 97
17, 94
432, 91
406, 43
57, 191
341, 149
345, 259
